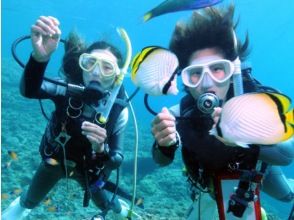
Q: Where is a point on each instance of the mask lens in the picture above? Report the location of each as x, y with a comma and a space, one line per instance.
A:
220, 71
191, 76
88, 63
107, 68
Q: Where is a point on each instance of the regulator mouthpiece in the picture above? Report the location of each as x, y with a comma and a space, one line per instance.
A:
207, 102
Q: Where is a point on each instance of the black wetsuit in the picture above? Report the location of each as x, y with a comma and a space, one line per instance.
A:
203, 154
75, 158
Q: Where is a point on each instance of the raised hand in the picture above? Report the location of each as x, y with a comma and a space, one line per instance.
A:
164, 128
45, 34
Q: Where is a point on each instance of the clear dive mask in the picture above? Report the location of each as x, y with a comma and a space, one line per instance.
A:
219, 70
108, 68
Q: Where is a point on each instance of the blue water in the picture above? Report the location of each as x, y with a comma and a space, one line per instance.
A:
269, 24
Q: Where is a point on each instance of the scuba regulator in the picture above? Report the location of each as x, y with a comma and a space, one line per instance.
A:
207, 102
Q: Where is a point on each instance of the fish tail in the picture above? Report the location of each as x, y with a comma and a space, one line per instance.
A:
290, 117
147, 16
289, 132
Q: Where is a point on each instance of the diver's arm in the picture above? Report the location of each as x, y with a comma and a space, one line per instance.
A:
164, 156
277, 185
32, 84
278, 154
115, 143
32, 78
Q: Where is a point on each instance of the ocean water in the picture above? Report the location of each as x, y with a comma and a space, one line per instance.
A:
271, 30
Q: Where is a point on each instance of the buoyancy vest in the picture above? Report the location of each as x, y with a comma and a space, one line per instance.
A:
78, 145
203, 154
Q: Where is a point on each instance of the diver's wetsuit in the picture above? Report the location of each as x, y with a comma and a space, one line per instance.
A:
204, 155
79, 162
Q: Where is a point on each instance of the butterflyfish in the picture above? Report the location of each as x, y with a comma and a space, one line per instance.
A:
169, 6
255, 118
154, 70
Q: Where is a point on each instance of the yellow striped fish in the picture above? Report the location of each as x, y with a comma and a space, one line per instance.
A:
256, 118
154, 71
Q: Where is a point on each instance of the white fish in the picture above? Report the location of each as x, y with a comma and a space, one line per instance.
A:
255, 118
152, 69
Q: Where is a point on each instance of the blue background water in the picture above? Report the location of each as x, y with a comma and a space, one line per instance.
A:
269, 23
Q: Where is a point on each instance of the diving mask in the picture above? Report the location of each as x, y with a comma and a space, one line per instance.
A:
219, 70
108, 68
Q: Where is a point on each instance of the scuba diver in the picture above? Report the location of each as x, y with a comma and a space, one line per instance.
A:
207, 53
76, 144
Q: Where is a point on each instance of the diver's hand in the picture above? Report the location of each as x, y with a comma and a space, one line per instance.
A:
164, 128
216, 115
45, 34
95, 134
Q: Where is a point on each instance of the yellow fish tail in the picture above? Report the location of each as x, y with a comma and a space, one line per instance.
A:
290, 117
147, 16
289, 132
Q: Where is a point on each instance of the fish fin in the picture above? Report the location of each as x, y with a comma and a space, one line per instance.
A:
241, 144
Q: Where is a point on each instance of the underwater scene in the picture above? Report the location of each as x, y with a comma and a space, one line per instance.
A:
162, 192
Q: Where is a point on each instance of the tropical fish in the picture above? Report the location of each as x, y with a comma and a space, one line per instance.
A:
47, 201
255, 118
4, 196
16, 191
12, 155
52, 208
169, 6
140, 202
154, 71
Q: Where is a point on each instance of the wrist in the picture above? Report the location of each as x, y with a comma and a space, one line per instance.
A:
104, 151
99, 148
39, 58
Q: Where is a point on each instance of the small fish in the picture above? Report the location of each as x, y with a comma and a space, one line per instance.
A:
52, 208
255, 118
12, 155
4, 196
47, 201
154, 71
140, 202
16, 191
169, 6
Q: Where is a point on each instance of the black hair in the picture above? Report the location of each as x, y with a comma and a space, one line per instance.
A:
74, 47
208, 28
